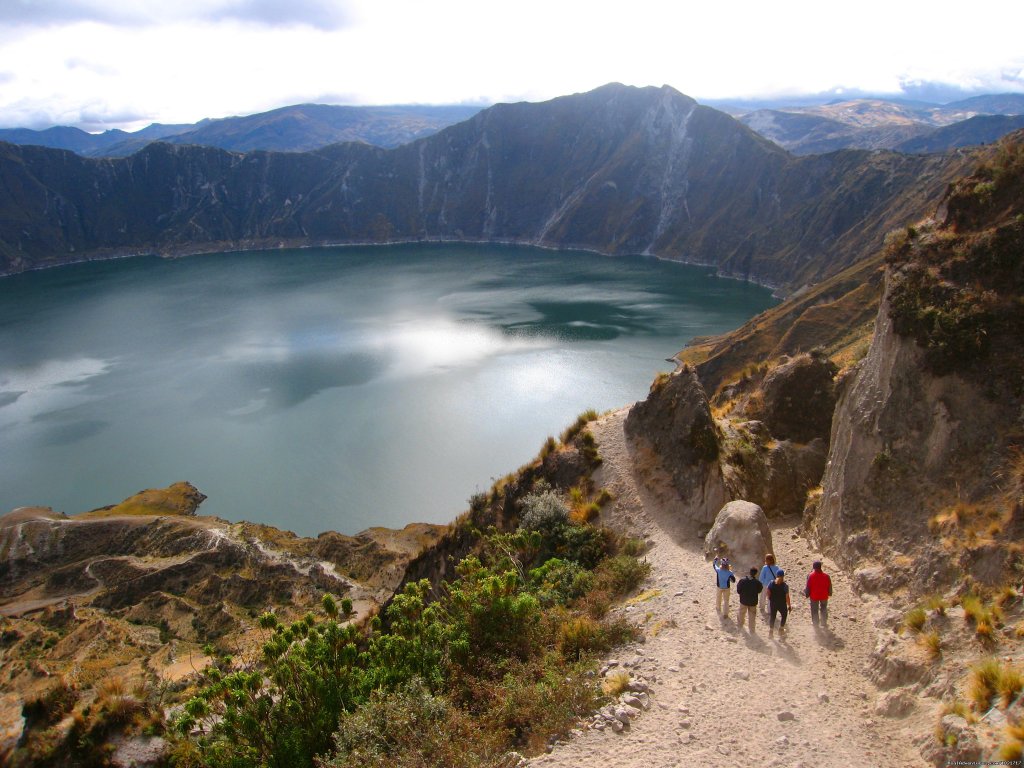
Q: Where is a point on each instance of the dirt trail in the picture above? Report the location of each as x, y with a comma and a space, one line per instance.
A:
718, 692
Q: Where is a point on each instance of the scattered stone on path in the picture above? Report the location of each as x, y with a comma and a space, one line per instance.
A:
823, 697
742, 674
786, 715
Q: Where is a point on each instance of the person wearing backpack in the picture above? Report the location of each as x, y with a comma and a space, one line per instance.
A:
724, 579
779, 602
748, 588
767, 578
818, 591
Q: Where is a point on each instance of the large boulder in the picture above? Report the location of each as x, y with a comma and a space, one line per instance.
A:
741, 533
800, 398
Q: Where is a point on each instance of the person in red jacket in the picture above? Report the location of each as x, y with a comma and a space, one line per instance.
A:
818, 590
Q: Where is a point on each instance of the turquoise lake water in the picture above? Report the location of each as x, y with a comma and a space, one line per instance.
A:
328, 389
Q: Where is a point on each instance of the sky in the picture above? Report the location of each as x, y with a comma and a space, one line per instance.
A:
101, 64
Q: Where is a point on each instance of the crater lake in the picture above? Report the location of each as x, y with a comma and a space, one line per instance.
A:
333, 388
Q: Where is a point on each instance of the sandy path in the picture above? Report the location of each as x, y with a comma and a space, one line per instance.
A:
717, 692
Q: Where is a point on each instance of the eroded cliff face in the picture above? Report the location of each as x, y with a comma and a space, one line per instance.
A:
748, 448
904, 444
926, 439
676, 434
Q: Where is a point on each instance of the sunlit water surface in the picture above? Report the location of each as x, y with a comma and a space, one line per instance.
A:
328, 389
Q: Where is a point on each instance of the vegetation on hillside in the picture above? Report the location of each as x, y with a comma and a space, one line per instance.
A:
956, 288
456, 670
494, 660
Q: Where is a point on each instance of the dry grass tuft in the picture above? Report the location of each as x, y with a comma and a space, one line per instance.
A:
933, 643
991, 678
914, 620
615, 683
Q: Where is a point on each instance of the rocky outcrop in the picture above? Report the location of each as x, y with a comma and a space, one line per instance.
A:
799, 398
676, 425
899, 435
740, 533
775, 474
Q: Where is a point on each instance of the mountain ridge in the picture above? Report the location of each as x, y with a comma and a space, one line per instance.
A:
617, 170
294, 128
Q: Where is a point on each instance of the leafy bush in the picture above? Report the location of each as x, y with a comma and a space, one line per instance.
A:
622, 574
546, 514
413, 728
535, 699
285, 714
543, 512
451, 675
489, 615
559, 582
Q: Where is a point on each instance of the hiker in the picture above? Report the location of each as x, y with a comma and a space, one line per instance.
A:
767, 578
778, 602
724, 578
748, 588
818, 591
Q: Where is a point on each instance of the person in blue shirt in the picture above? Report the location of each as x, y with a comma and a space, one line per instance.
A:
724, 579
767, 577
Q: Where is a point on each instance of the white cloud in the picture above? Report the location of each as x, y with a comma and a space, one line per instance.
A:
179, 62
326, 14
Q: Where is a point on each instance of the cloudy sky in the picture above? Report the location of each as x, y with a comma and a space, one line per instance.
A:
127, 63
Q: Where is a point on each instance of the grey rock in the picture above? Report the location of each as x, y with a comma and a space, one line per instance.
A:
785, 716
897, 703
740, 532
139, 752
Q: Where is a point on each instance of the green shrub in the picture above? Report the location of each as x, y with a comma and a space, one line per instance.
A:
285, 714
543, 512
489, 615
580, 635
622, 574
413, 728
559, 582
536, 699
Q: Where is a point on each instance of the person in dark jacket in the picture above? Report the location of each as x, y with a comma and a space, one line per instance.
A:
748, 588
818, 591
778, 603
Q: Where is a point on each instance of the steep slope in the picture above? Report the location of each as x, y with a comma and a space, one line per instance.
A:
617, 170
981, 129
929, 423
809, 134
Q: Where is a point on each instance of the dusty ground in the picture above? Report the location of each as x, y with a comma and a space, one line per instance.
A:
718, 692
